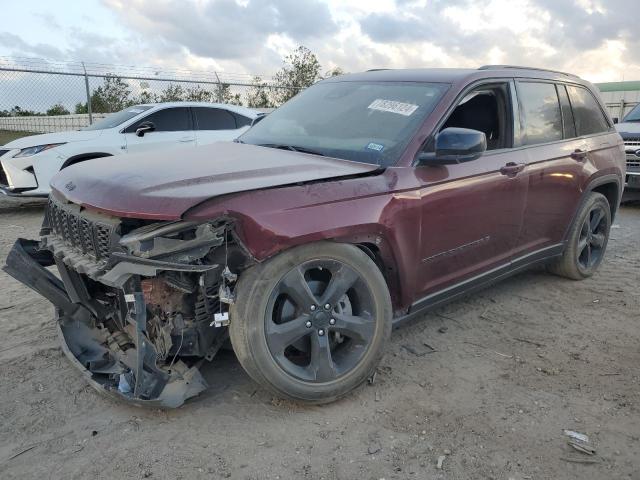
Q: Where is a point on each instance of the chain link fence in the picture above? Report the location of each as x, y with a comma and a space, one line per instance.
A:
37, 96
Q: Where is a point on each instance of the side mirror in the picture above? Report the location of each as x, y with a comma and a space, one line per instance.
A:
615, 120
258, 119
455, 145
145, 127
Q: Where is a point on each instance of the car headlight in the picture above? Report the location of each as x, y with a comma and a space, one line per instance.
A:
29, 151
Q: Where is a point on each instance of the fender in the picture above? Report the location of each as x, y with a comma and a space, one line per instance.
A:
368, 212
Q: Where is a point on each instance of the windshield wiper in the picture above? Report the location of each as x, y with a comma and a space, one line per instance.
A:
293, 148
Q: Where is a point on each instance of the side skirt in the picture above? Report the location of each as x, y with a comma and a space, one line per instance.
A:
478, 282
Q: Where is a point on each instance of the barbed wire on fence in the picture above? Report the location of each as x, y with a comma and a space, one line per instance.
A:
40, 96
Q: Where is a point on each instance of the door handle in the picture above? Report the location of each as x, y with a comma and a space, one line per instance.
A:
187, 139
579, 155
511, 169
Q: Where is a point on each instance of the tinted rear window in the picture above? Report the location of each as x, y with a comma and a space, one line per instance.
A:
541, 110
214, 119
586, 111
167, 120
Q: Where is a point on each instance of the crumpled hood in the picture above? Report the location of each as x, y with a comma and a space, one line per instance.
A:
163, 185
58, 137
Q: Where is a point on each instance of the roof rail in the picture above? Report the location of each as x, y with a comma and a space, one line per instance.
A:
496, 67
377, 69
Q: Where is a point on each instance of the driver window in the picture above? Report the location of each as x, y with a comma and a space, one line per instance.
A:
176, 119
486, 109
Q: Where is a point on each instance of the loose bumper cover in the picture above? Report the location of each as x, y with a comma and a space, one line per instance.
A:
128, 372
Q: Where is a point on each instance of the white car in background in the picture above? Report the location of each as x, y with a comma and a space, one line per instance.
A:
28, 164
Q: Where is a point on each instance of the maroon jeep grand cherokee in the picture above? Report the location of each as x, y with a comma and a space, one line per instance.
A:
357, 205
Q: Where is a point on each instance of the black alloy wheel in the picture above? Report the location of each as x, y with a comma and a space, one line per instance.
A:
311, 323
593, 236
319, 321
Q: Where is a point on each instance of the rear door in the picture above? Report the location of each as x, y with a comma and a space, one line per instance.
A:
173, 128
218, 124
560, 150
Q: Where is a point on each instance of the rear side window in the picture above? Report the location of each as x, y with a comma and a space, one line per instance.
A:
541, 110
214, 119
167, 120
588, 115
567, 114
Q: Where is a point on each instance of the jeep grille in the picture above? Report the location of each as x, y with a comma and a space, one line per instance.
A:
82, 234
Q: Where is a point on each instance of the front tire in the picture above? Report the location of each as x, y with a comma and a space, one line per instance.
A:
311, 323
587, 240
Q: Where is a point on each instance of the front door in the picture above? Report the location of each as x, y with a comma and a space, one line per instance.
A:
472, 212
172, 129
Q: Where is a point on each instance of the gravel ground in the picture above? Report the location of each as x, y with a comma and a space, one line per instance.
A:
511, 368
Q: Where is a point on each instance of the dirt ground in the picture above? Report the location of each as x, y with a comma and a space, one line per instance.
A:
513, 366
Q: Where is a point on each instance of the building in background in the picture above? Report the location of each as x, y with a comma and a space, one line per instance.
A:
620, 97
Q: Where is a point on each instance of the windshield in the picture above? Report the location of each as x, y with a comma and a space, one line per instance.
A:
370, 122
633, 115
114, 119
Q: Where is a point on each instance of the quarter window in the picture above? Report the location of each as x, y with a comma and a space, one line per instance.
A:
587, 112
214, 119
166, 120
541, 111
241, 120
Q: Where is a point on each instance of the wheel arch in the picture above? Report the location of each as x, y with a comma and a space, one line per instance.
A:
83, 157
609, 186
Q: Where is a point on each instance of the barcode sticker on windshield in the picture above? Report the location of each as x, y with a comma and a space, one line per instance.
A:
392, 106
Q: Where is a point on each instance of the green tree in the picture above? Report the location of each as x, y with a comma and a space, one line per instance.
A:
301, 69
334, 72
198, 94
173, 93
113, 95
258, 94
19, 112
81, 108
147, 97
58, 109
222, 94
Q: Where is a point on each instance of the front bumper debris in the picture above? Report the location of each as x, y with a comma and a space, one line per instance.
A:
124, 368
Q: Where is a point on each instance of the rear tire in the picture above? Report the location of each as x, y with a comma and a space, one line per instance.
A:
587, 240
290, 343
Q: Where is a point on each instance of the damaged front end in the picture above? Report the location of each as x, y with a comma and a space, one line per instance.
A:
140, 306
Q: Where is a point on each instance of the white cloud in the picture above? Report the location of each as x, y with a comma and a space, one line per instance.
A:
592, 38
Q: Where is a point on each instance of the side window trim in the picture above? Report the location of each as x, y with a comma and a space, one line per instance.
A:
517, 121
566, 133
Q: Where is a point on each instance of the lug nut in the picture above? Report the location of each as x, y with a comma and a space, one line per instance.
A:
327, 306
308, 324
332, 321
313, 308
321, 332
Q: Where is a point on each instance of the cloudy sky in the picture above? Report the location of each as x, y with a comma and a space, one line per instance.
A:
596, 39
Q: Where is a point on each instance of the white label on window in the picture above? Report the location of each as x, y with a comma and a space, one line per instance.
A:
392, 106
